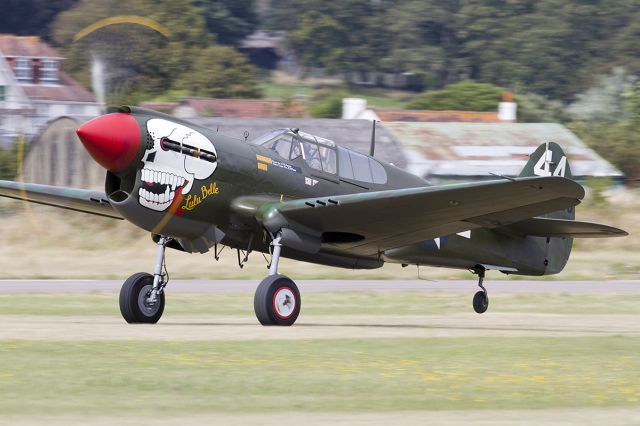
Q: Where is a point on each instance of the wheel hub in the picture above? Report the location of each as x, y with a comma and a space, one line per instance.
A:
145, 303
284, 302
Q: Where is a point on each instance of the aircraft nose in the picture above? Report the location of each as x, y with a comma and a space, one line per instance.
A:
113, 140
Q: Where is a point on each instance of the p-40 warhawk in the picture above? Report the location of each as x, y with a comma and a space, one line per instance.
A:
292, 194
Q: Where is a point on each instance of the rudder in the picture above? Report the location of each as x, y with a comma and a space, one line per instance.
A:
549, 159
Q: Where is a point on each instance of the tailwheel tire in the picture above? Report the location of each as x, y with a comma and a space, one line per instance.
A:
134, 304
277, 301
480, 302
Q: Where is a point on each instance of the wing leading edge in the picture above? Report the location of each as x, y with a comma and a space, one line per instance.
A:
82, 200
393, 218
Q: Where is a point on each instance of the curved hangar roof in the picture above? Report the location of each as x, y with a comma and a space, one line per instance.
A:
477, 149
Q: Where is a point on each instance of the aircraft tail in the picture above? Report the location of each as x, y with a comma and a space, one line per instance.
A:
550, 160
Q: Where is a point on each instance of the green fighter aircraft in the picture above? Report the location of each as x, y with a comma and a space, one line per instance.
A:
292, 194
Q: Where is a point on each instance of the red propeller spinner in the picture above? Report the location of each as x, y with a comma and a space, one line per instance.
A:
113, 140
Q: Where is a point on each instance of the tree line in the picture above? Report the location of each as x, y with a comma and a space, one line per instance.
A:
574, 62
554, 48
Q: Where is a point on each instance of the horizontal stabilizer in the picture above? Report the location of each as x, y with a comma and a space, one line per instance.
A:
82, 200
549, 227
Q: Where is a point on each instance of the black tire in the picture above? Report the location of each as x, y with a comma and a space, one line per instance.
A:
132, 306
277, 301
480, 302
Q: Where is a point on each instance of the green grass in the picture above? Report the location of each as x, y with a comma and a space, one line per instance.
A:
119, 378
280, 91
337, 303
108, 379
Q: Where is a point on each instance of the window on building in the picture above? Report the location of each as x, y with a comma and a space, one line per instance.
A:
3, 96
24, 70
50, 71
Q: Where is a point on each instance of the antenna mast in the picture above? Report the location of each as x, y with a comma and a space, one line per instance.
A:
372, 148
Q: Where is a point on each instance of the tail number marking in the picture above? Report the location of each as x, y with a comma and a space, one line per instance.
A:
543, 166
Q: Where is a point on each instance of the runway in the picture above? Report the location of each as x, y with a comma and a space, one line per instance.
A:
311, 286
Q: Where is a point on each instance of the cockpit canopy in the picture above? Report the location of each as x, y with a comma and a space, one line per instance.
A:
323, 155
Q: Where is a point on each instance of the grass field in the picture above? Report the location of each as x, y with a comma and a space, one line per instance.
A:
353, 358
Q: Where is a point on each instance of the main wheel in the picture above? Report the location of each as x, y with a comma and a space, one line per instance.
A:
135, 306
480, 302
277, 301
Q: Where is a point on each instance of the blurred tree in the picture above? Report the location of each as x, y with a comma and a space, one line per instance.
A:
341, 37
554, 48
422, 40
229, 20
618, 142
605, 100
31, 17
327, 103
462, 96
8, 163
140, 63
220, 72
533, 108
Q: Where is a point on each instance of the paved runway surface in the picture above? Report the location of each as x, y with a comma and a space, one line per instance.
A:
197, 286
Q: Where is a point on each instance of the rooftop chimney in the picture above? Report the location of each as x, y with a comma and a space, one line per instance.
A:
507, 109
353, 107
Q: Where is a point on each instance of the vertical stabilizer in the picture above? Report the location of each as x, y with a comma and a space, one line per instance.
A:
550, 160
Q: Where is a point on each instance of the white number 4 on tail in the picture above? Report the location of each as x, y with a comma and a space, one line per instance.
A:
543, 166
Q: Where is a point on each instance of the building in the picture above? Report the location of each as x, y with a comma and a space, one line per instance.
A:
446, 152
356, 108
56, 157
194, 107
34, 89
267, 49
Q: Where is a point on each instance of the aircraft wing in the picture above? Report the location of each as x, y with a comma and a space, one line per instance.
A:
550, 227
387, 219
82, 200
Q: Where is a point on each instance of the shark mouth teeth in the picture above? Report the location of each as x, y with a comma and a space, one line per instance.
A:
158, 189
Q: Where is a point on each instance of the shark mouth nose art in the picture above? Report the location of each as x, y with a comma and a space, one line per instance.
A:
158, 189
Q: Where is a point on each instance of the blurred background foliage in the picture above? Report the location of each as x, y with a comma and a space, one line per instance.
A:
572, 62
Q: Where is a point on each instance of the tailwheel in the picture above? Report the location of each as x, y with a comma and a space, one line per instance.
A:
137, 303
277, 301
480, 302
481, 298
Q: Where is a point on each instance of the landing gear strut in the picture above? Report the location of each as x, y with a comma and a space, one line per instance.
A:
277, 299
481, 298
142, 294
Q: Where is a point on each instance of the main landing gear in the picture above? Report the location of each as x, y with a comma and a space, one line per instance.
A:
481, 298
142, 294
277, 299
